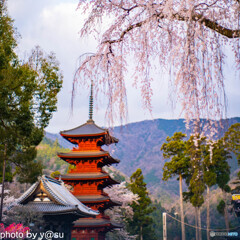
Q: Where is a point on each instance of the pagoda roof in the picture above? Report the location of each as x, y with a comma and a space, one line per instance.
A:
90, 198
87, 176
88, 129
95, 175
84, 154
50, 196
96, 222
75, 177
88, 154
97, 198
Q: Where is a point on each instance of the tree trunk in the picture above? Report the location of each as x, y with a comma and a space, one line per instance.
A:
208, 212
141, 236
196, 223
3, 181
225, 211
181, 208
199, 223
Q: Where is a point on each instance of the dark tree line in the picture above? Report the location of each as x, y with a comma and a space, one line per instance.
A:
28, 97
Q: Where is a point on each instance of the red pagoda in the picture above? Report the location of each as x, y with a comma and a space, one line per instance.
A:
88, 179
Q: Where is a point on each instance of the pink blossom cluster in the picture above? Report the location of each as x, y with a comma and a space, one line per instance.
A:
14, 228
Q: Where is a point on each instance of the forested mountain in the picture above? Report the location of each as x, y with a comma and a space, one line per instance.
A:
47, 154
139, 147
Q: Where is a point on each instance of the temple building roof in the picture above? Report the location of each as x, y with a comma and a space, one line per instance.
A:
50, 196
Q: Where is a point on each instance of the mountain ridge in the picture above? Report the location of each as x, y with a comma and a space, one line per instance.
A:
139, 147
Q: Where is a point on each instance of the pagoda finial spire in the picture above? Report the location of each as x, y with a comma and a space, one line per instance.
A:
91, 102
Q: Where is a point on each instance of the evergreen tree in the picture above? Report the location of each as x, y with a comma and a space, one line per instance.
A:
215, 171
232, 140
202, 164
195, 149
175, 149
222, 169
28, 97
141, 224
209, 166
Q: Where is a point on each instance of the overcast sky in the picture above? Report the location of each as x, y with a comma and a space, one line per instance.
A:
54, 25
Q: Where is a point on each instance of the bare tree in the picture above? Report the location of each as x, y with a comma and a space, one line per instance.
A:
185, 37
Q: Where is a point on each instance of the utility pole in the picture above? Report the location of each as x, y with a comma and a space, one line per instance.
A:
164, 226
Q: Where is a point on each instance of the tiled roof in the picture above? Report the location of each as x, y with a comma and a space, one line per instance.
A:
88, 128
105, 178
84, 154
97, 198
59, 198
86, 198
50, 207
96, 222
27, 193
79, 176
89, 176
90, 154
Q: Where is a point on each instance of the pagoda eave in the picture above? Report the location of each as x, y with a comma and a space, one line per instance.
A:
85, 176
105, 159
81, 135
105, 200
105, 205
92, 198
96, 223
101, 185
108, 180
80, 155
89, 130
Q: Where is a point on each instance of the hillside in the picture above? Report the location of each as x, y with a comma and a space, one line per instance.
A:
139, 147
47, 153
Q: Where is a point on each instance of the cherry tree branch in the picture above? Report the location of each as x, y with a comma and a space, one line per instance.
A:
229, 33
